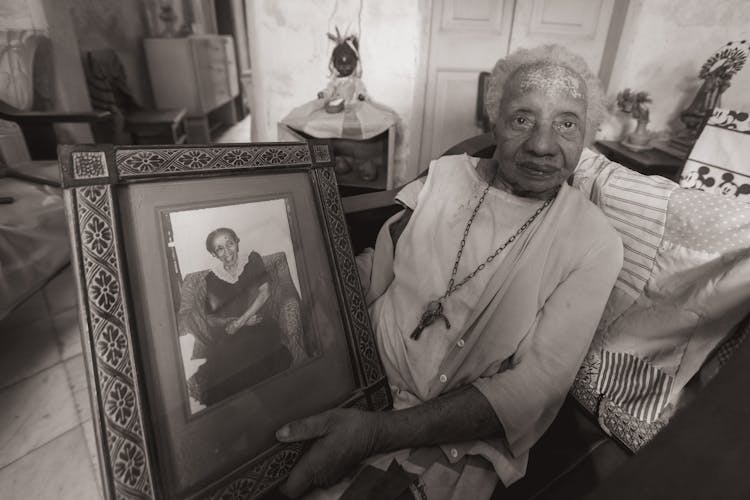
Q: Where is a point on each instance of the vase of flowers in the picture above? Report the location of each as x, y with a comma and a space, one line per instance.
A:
634, 104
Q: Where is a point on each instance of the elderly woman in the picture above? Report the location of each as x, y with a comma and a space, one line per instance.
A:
245, 343
486, 308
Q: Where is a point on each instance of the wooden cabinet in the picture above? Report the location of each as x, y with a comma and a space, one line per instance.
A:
198, 73
382, 146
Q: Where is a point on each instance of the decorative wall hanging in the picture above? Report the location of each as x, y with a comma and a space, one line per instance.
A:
716, 73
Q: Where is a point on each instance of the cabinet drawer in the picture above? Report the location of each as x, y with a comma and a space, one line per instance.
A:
219, 79
207, 53
218, 69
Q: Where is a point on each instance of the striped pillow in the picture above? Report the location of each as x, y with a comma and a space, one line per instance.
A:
637, 208
684, 285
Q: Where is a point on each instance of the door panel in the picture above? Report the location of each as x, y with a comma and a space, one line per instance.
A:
486, 15
580, 25
467, 37
454, 118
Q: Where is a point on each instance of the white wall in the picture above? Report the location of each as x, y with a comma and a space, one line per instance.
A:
290, 53
664, 43
662, 47
22, 14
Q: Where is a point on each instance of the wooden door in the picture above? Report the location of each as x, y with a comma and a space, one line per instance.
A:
466, 38
587, 27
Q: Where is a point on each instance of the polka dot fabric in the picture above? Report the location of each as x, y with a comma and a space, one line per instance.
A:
707, 222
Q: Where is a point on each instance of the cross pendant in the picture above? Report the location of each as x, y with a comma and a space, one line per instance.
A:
432, 312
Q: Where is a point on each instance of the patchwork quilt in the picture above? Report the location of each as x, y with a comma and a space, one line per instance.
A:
683, 289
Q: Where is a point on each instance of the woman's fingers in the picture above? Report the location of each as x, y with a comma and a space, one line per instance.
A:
254, 320
305, 428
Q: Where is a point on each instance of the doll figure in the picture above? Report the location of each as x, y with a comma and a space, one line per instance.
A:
345, 86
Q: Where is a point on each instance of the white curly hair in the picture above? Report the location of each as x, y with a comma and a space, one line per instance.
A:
552, 54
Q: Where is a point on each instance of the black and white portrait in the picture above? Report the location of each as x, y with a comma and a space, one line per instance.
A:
239, 308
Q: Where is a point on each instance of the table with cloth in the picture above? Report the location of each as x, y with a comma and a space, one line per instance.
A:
355, 129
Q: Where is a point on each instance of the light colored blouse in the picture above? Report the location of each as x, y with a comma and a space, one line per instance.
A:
519, 329
432, 240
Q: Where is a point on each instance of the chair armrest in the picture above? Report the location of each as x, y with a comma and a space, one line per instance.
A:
365, 215
38, 127
45, 117
482, 146
369, 201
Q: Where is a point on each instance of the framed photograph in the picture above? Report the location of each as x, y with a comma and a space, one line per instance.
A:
219, 299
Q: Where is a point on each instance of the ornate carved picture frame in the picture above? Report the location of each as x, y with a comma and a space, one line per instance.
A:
219, 299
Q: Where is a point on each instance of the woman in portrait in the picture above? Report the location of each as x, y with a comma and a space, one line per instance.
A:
244, 342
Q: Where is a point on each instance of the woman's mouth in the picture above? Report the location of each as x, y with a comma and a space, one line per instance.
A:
536, 170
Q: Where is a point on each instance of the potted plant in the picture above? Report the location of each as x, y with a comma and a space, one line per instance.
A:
634, 103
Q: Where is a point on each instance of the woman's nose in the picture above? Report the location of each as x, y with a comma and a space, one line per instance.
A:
541, 142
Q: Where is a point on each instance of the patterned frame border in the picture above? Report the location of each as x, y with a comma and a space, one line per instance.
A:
122, 426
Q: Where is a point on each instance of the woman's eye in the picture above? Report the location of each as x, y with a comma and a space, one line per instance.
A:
567, 125
521, 121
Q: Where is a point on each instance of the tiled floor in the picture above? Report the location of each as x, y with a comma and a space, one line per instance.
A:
47, 448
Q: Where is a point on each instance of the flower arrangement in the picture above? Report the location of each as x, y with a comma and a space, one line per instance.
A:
634, 104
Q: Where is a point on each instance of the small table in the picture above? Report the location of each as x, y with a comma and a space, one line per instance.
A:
363, 129
647, 162
161, 126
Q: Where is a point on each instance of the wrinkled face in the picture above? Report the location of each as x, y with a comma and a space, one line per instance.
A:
225, 248
540, 129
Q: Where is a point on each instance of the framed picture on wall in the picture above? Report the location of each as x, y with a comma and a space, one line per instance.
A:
219, 300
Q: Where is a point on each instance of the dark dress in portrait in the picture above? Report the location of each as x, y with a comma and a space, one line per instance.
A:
252, 353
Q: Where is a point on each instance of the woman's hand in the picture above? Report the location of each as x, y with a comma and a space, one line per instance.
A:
343, 438
234, 325
251, 316
237, 323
